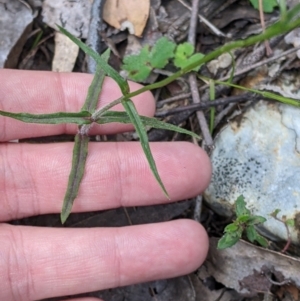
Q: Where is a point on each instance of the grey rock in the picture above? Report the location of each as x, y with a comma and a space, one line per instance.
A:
258, 156
15, 24
73, 16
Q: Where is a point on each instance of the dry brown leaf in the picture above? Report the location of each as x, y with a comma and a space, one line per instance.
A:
247, 268
129, 14
292, 290
65, 54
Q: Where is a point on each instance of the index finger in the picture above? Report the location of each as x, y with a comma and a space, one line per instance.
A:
42, 92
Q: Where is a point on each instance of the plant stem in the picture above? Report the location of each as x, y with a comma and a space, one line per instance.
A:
281, 27
100, 111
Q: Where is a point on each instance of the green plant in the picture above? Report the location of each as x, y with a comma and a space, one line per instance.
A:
245, 222
89, 115
184, 56
288, 223
139, 66
268, 5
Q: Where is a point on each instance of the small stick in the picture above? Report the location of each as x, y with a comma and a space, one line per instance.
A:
263, 25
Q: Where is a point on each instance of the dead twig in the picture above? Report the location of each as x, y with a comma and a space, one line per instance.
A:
212, 27
200, 115
173, 98
255, 66
263, 26
192, 77
207, 104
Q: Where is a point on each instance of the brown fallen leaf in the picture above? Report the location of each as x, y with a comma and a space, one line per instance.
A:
129, 14
290, 290
248, 269
65, 54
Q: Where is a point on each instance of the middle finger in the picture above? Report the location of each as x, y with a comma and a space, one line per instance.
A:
34, 177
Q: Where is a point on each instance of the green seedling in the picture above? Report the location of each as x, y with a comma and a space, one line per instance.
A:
139, 66
245, 223
184, 56
158, 57
288, 223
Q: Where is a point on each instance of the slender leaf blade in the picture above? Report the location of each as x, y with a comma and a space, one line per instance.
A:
96, 86
80, 152
158, 124
122, 117
251, 233
79, 118
287, 100
140, 129
256, 219
231, 228
262, 241
230, 79
100, 61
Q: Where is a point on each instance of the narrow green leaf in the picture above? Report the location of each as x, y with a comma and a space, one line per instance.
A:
228, 240
95, 88
80, 152
100, 61
240, 207
251, 233
122, 117
282, 7
286, 100
79, 118
231, 228
262, 241
37, 40
140, 129
256, 220
158, 124
253, 236
232, 69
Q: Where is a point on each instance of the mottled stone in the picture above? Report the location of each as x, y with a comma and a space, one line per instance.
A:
74, 16
258, 156
15, 24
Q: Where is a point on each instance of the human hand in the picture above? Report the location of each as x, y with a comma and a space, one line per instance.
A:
37, 263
